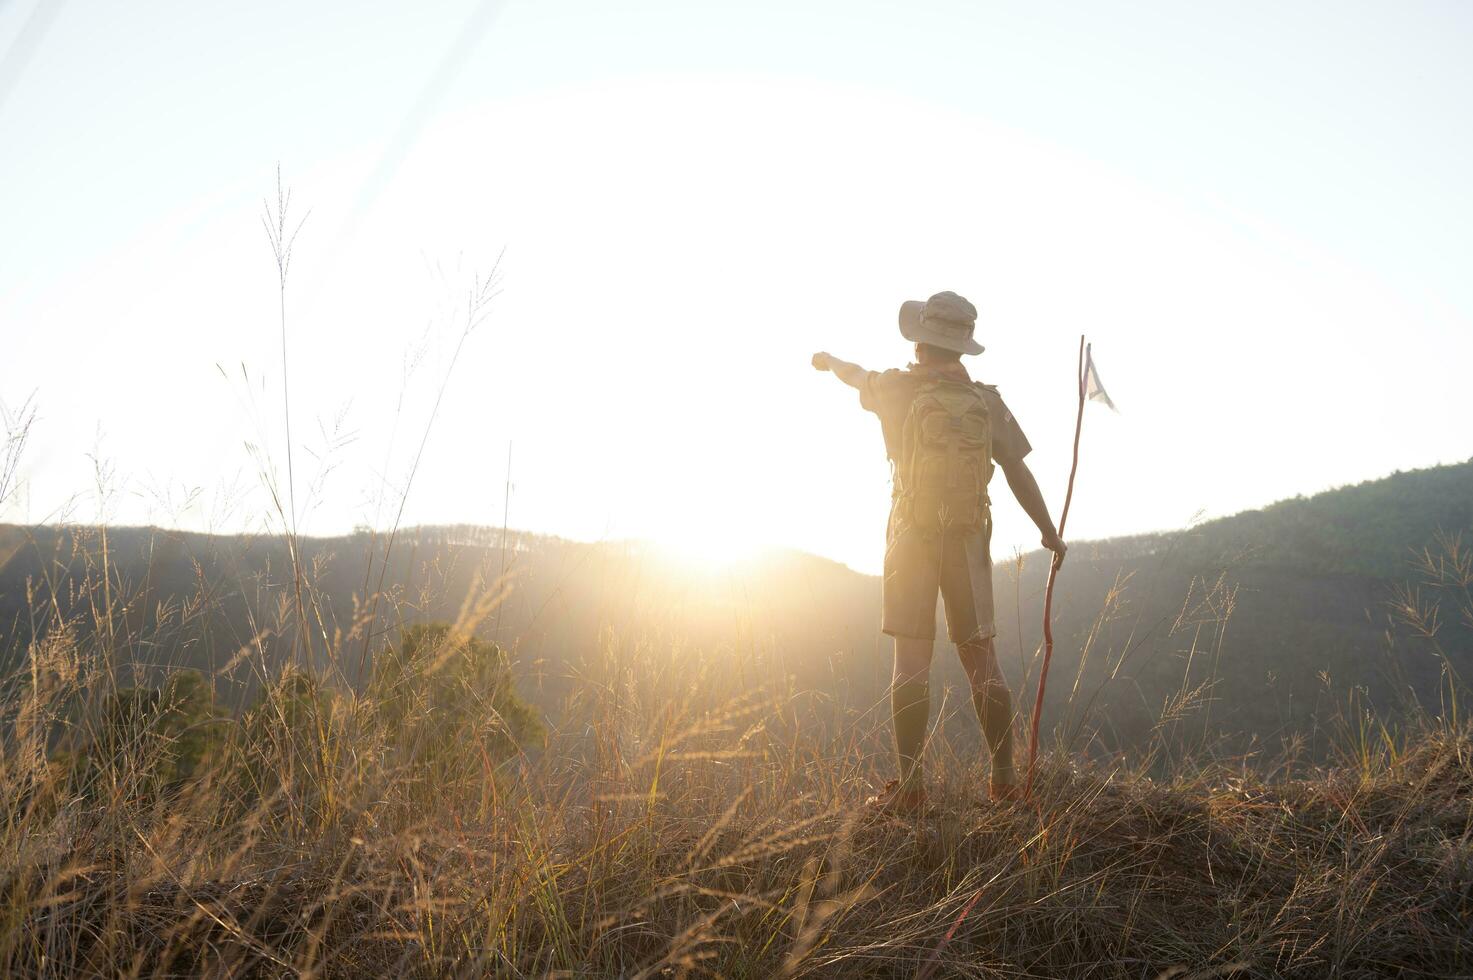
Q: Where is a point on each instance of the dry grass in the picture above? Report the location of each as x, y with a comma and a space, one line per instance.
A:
675, 825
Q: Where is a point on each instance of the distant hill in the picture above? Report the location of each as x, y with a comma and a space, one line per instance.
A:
1309, 583
1370, 529
1229, 625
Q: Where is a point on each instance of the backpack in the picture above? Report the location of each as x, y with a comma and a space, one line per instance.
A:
945, 459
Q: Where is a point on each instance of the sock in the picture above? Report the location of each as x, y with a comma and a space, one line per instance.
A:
910, 709
995, 712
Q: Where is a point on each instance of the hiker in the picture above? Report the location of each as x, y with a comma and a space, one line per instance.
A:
943, 433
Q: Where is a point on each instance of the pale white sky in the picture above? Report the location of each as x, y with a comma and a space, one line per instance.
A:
1258, 212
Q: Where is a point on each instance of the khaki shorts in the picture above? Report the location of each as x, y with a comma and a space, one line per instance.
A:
919, 565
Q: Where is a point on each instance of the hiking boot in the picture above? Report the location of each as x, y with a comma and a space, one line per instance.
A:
897, 802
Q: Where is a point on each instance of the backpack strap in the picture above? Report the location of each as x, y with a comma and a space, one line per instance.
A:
954, 452
906, 469
981, 390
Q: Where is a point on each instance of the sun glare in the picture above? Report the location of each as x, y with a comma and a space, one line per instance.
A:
711, 550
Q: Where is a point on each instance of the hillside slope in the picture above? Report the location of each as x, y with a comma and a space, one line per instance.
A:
1283, 612
1233, 625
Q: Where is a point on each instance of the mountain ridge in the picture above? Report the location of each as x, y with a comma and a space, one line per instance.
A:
1280, 595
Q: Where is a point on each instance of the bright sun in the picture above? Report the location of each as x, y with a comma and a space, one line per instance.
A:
711, 549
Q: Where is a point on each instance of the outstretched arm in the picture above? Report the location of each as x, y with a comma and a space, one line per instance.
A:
851, 374
1025, 488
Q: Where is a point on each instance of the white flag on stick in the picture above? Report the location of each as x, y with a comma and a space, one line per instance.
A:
1093, 388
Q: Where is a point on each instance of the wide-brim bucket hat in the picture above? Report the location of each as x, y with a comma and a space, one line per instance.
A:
945, 320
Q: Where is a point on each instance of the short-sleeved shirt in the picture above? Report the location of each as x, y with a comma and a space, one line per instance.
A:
918, 565
889, 393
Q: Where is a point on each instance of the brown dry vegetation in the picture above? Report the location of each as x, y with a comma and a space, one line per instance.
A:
681, 820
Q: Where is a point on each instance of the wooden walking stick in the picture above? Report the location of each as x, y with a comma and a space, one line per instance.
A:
1048, 595
1048, 652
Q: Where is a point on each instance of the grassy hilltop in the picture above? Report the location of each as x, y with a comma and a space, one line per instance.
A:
219, 760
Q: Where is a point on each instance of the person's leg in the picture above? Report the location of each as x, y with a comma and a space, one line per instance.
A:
909, 591
994, 705
966, 587
910, 707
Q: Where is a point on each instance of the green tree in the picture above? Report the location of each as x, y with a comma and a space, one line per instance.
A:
445, 700
288, 743
152, 739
